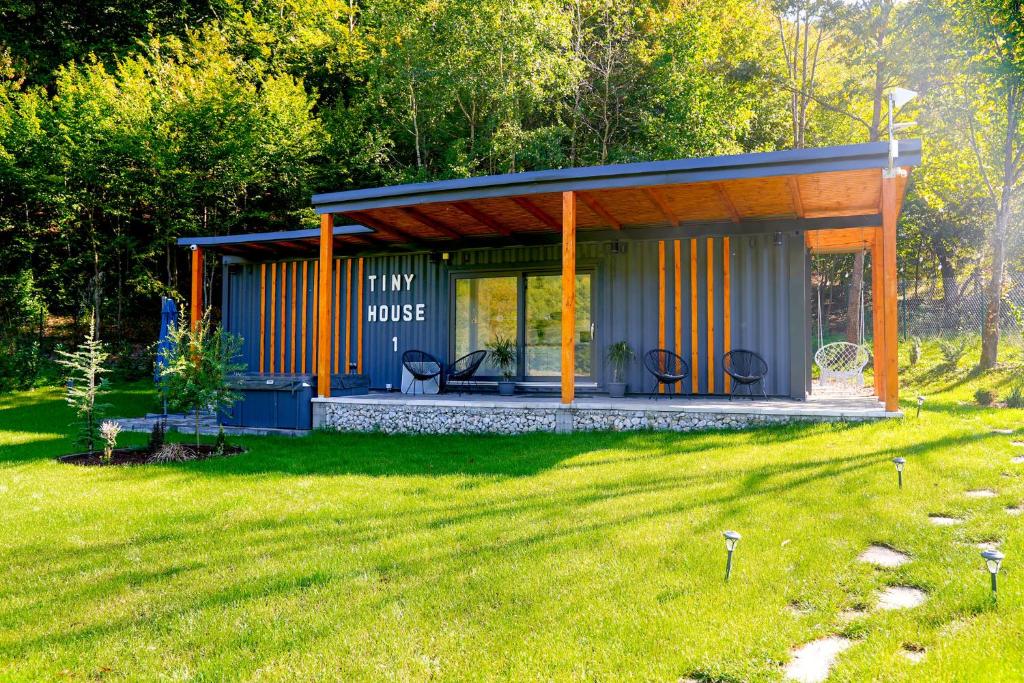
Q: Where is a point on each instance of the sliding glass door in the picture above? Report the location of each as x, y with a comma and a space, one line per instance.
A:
525, 307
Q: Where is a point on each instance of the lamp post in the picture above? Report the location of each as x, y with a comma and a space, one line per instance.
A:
900, 463
993, 560
897, 98
920, 402
731, 539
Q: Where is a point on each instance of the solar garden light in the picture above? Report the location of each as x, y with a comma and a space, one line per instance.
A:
920, 402
731, 539
900, 463
993, 560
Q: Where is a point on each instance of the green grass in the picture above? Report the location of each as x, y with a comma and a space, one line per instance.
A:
542, 557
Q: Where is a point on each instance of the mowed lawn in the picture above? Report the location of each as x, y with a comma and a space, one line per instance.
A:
596, 557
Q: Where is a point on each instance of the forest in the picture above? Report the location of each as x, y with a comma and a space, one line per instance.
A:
124, 125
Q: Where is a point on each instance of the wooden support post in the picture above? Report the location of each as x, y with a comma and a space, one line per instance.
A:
890, 210
726, 308
661, 303
197, 286
323, 340
877, 314
568, 297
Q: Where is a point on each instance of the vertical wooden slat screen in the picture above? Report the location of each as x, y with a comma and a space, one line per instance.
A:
661, 302
348, 314
273, 316
678, 281
359, 313
711, 315
694, 359
263, 312
295, 295
337, 314
726, 307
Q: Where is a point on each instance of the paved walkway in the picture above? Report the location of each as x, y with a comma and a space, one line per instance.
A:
186, 424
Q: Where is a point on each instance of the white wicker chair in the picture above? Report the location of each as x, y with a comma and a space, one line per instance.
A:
842, 362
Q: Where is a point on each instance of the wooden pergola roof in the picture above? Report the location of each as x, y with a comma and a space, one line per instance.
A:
810, 189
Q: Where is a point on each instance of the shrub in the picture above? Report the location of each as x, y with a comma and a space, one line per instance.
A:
109, 430
221, 443
953, 349
915, 351
985, 397
503, 355
620, 354
85, 387
1016, 397
174, 452
157, 436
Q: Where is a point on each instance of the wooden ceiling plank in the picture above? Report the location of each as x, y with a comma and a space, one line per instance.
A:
482, 218
537, 212
594, 205
794, 192
727, 202
431, 223
661, 205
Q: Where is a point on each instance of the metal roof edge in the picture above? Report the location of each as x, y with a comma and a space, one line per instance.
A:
246, 238
757, 164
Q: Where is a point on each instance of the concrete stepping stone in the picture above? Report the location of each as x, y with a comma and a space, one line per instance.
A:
901, 597
812, 662
942, 520
1019, 444
980, 493
1004, 432
1017, 460
1014, 510
987, 545
883, 556
914, 653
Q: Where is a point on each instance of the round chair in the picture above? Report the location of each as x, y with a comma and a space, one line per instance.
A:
842, 362
422, 367
746, 368
464, 368
667, 367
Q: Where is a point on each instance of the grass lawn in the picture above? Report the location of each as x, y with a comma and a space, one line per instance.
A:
541, 557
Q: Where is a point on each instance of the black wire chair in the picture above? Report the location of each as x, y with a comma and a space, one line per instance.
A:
422, 367
746, 369
464, 368
667, 367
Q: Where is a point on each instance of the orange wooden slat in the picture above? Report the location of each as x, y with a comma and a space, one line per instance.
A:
273, 317
711, 315
694, 384
678, 281
305, 312
878, 314
726, 306
284, 313
348, 314
197, 286
359, 319
324, 311
568, 296
315, 315
295, 296
263, 314
337, 315
661, 302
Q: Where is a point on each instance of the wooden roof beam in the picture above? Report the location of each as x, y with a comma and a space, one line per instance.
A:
794, 193
385, 229
723, 194
595, 206
537, 213
661, 205
431, 223
482, 218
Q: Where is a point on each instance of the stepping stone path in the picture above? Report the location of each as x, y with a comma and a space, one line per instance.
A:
1014, 510
883, 556
1005, 432
812, 662
940, 520
980, 493
901, 597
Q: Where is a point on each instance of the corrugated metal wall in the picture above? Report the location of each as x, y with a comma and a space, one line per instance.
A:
764, 317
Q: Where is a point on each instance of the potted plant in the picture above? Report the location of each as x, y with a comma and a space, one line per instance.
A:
619, 356
503, 355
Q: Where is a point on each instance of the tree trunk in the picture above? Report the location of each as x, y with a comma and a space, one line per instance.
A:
950, 287
994, 290
853, 299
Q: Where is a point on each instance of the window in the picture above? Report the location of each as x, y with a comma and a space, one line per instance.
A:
485, 308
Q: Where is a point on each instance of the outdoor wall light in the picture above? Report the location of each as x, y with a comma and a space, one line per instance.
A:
900, 463
920, 402
778, 239
993, 560
731, 539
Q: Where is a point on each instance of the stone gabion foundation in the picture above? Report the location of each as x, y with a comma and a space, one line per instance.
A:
432, 419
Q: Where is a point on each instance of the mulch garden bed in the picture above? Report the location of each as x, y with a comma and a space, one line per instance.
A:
143, 456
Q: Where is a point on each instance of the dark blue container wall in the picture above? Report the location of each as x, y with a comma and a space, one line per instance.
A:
625, 305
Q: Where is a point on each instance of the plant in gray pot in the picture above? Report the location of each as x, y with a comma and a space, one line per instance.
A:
503, 355
620, 354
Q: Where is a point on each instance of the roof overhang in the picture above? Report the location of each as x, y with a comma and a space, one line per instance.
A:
279, 244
